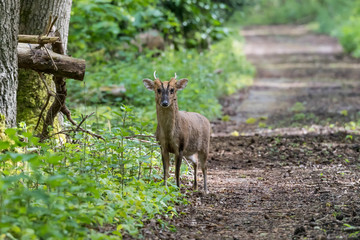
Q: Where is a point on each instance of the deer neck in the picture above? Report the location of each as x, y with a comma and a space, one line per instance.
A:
167, 117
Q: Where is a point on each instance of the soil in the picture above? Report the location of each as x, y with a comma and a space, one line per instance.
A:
293, 171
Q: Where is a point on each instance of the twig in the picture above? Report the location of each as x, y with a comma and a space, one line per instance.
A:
144, 141
67, 113
189, 165
50, 94
80, 129
42, 111
352, 229
82, 121
48, 25
140, 135
51, 25
52, 60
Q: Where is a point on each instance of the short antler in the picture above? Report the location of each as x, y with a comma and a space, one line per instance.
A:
175, 76
155, 74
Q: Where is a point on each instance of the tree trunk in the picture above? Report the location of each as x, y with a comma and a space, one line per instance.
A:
34, 16
9, 20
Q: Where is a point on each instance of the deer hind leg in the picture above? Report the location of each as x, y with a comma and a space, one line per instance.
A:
166, 164
178, 160
203, 157
194, 161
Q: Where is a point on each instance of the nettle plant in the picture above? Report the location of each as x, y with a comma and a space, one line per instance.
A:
85, 188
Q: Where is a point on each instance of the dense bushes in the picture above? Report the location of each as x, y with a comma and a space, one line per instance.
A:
105, 24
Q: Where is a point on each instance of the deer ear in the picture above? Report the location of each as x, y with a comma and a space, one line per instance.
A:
181, 84
149, 84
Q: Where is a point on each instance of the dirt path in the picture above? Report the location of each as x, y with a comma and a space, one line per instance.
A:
292, 173
304, 83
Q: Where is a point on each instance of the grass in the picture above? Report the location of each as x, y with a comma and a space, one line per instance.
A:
219, 71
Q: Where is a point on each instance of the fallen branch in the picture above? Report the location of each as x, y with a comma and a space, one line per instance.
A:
31, 56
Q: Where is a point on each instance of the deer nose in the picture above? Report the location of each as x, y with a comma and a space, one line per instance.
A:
165, 103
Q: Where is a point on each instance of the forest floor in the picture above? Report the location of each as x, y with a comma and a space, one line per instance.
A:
294, 171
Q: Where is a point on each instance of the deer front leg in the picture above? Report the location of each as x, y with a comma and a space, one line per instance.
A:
166, 163
178, 160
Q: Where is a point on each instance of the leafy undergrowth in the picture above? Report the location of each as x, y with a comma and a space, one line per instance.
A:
213, 73
84, 188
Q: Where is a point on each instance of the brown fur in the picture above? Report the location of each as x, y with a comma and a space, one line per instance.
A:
151, 39
186, 134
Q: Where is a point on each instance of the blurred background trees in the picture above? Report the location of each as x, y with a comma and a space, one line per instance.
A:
97, 24
115, 35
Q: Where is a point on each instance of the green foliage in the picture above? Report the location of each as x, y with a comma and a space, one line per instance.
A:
226, 118
261, 12
70, 191
106, 24
349, 35
297, 107
251, 120
344, 112
299, 117
325, 12
219, 71
348, 31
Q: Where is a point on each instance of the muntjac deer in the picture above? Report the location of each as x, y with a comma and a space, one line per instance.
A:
186, 134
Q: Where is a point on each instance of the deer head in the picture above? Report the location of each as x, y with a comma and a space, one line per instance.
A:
165, 92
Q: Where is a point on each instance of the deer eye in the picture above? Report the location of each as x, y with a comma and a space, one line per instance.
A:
159, 90
172, 91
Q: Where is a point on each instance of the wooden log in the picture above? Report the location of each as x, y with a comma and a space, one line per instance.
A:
36, 39
30, 56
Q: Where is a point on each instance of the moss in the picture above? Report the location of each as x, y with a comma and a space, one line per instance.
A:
31, 97
2, 127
